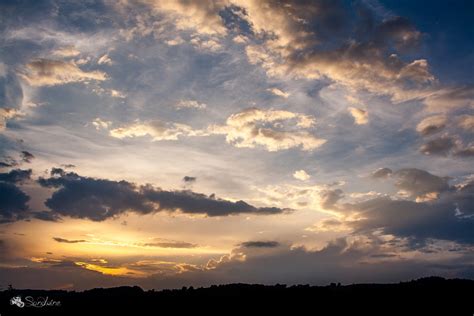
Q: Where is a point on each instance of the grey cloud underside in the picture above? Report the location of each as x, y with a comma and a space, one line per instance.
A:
13, 201
99, 199
419, 182
449, 216
15, 176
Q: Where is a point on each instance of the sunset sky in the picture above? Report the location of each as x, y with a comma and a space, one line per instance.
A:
164, 143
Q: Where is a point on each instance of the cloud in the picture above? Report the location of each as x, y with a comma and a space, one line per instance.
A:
99, 199
439, 146
66, 51
254, 127
105, 60
434, 210
190, 104
16, 176
7, 114
420, 220
157, 130
188, 179
46, 216
13, 202
466, 122
163, 243
361, 117
450, 98
68, 241
329, 198
47, 72
295, 46
418, 183
260, 244
279, 93
382, 173
101, 124
11, 96
301, 175
27, 156
201, 17
431, 125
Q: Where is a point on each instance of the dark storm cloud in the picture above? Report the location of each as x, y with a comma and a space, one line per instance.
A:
99, 199
95, 199
13, 202
68, 241
197, 203
46, 216
260, 244
15, 176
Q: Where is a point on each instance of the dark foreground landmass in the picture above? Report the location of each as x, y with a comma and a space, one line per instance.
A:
427, 296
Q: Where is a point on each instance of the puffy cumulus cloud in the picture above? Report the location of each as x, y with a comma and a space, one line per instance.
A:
201, 17
190, 104
432, 125
279, 92
47, 72
282, 22
301, 196
301, 175
254, 127
99, 123
296, 44
466, 122
360, 116
420, 183
206, 44
99, 199
66, 51
105, 60
157, 130
414, 183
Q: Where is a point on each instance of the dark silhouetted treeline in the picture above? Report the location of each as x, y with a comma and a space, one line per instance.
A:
427, 296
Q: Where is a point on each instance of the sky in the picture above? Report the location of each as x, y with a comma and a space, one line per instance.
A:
169, 143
